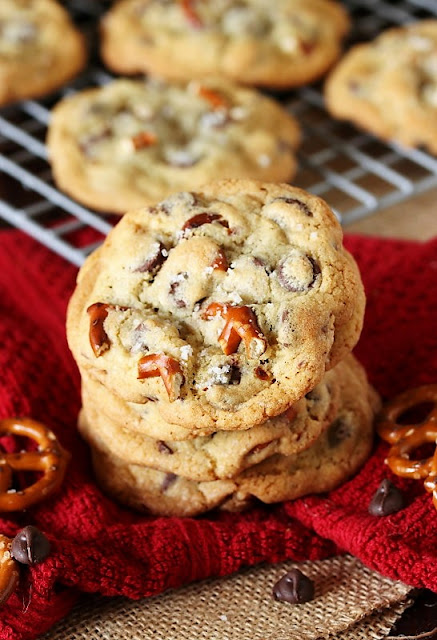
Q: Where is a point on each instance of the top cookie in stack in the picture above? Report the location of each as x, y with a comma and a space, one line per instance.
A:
240, 279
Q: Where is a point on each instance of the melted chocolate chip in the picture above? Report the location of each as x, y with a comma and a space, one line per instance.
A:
386, 500
338, 431
262, 374
169, 479
164, 448
295, 587
87, 144
154, 260
30, 546
235, 375
204, 218
174, 289
294, 201
297, 272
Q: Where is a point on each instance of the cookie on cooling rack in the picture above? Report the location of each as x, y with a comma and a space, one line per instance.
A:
333, 458
389, 86
40, 48
285, 43
241, 281
132, 143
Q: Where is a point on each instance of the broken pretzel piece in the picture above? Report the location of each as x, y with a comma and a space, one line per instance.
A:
144, 139
9, 569
158, 364
215, 99
191, 13
240, 324
98, 313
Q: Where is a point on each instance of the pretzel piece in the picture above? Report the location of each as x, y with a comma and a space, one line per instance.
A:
50, 459
98, 312
388, 427
240, 325
191, 14
144, 139
158, 364
215, 99
9, 569
405, 438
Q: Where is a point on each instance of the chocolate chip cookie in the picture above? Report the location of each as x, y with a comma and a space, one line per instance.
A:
286, 43
226, 305
131, 143
40, 49
331, 460
223, 454
389, 86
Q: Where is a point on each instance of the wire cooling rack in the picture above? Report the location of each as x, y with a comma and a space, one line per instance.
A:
355, 173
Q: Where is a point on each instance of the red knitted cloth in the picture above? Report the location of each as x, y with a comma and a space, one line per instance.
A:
100, 547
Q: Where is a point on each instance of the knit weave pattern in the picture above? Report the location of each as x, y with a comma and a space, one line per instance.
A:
98, 546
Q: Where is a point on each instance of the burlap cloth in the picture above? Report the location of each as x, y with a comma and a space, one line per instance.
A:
351, 602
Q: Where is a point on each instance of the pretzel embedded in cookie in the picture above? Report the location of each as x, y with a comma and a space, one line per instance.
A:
49, 458
9, 570
240, 324
158, 364
98, 312
406, 438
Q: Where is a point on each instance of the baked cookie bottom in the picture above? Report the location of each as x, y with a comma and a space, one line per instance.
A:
334, 457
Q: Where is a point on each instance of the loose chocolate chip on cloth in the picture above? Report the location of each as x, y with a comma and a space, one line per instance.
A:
240, 607
98, 547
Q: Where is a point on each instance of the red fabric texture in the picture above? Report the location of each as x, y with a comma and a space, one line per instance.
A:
98, 546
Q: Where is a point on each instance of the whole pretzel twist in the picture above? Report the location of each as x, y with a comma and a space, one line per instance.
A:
405, 438
9, 571
50, 459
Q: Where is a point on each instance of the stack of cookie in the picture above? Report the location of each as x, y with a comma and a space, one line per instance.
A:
213, 333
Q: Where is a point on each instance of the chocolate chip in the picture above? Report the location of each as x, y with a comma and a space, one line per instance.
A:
386, 500
262, 374
295, 587
169, 479
204, 218
294, 201
164, 448
338, 431
297, 272
174, 289
30, 546
235, 375
153, 261
88, 143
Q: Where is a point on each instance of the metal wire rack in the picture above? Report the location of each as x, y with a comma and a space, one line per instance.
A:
355, 173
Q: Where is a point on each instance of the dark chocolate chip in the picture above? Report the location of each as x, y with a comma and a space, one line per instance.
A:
30, 546
386, 500
164, 448
295, 587
169, 479
204, 218
174, 289
338, 431
235, 375
154, 260
297, 272
262, 374
301, 205
87, 144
